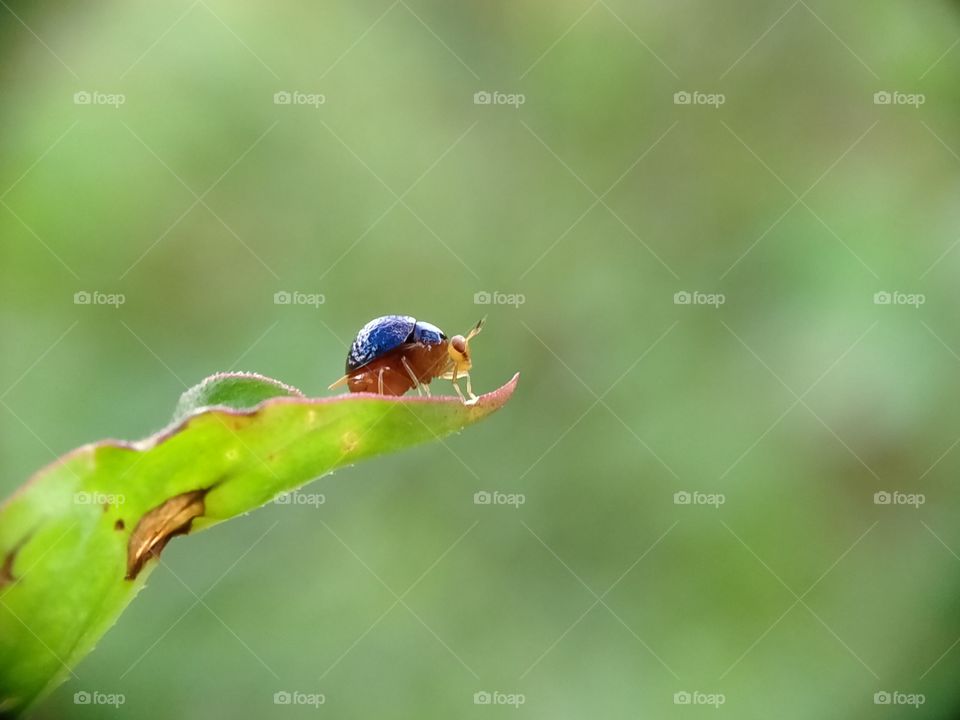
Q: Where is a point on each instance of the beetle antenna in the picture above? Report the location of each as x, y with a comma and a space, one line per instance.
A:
477, 328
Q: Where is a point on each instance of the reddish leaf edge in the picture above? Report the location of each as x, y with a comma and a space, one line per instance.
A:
487, 403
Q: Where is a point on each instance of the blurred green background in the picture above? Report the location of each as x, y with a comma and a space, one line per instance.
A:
387, 188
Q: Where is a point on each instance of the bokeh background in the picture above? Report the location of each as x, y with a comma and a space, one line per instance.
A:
792, 195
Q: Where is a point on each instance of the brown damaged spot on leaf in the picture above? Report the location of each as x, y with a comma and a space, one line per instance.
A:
159, 525
6, 570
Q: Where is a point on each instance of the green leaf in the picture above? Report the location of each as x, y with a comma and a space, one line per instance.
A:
78, 541
234, 390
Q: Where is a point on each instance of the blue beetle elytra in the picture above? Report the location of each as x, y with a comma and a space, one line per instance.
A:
394, 353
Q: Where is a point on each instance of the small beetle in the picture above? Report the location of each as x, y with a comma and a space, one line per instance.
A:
394, 353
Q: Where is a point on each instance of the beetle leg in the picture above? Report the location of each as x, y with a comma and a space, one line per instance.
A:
380, 381
416, 383
473, 398
456, 385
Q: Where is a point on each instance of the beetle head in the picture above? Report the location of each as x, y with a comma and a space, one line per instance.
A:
459, 348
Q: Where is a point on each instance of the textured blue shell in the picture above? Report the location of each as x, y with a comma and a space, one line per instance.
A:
385, 334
